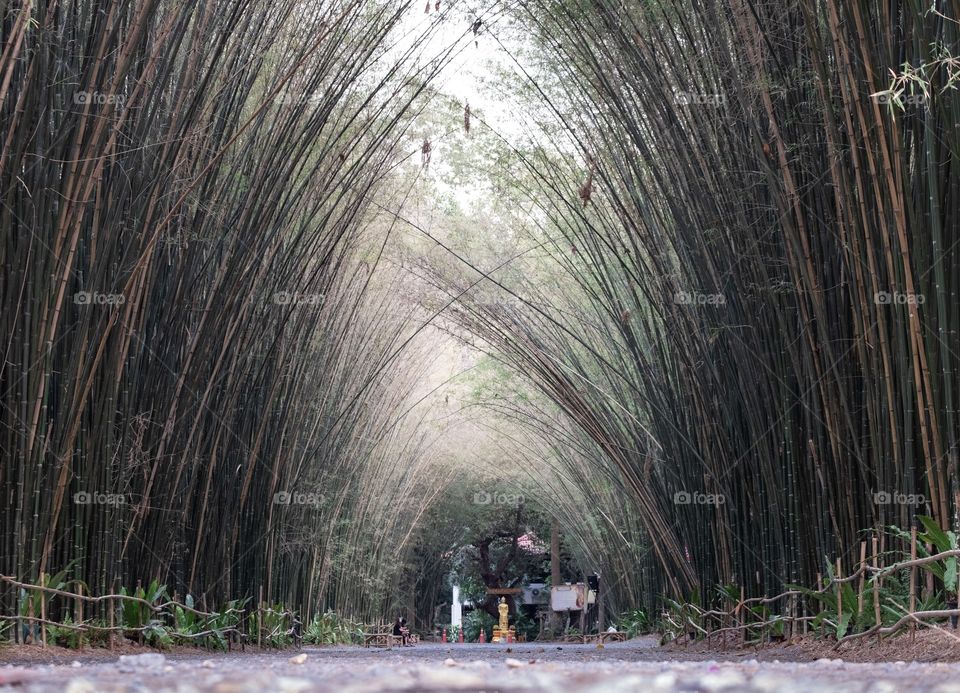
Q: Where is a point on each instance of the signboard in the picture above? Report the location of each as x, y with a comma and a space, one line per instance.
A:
567, 597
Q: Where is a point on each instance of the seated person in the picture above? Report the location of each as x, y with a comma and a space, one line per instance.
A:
400, 629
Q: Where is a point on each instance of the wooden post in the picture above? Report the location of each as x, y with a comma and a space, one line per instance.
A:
18, 631
724, 623
876, 586
863, 577
601, 621
139, 619
913, 582
553, 618
819, 589
742, 620
764, 631
790, 625
882, 539
793, 616
43, 615
111, 607
583, 610
259, 616
839, 596
78, 614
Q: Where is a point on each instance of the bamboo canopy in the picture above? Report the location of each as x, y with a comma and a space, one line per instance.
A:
752, 206
724, 305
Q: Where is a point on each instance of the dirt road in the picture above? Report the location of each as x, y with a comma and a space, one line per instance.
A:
634, 666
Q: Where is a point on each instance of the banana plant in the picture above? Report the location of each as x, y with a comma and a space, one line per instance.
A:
330, 628
942, 540
33, 604
270, 623
141, 618
186, 622
681, 618
633, 623
837, 615
221, 623
770, 624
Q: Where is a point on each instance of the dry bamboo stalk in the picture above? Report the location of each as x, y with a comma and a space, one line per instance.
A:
111, 608
742, 618
139, 618
78, 605
43, 617
863, 577
913, 582
876, 586
839, 590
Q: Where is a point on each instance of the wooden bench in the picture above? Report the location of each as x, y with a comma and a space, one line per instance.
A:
378, 639
388, 639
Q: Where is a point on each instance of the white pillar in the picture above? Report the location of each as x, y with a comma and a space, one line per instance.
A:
456, 611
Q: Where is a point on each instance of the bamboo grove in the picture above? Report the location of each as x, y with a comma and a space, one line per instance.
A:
192, 334
731, 302
752, 336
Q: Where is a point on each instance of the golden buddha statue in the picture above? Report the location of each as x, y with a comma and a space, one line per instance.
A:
503, 632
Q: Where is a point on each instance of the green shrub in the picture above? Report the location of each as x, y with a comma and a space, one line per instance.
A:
526, 626
634, 623
476, 620
65, 636
273, 625
330, 628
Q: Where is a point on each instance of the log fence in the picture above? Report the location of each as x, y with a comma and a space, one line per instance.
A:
285, 623
741, 618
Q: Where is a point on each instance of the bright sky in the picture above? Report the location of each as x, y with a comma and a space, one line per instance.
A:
472, 74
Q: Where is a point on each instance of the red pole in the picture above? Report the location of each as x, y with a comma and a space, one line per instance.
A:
461, 635
443, 638
483, 636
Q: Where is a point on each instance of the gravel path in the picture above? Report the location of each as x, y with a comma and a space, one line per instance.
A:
634, 666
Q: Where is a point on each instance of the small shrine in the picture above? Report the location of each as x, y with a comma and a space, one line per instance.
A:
503, 632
